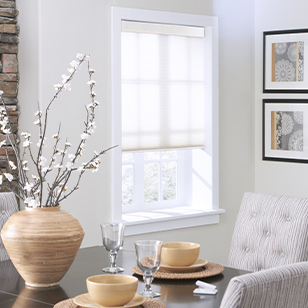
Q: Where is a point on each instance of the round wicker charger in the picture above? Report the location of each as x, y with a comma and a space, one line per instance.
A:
211, 269
149, 303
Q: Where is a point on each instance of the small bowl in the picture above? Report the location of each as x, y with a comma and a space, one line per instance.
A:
180, 253
112, 290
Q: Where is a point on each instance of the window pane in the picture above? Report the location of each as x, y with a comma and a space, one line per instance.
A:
169, 175
151, 182
127, 157
127, 185
169, 154
151, 155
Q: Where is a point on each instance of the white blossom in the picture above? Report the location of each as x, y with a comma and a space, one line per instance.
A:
34, 203
45, 169
91, 127
6, 131
55, 136
65, 78
28, 187
91, 82
2, 143
40, 142
37, 122
42, 161
38, 113
91, 71
25, 165
1, 92
80, 169
80, 56
12, 165
1, 179
28, 200
74, 64
58, 166
57, 86
26, 135
8, 176
68, 144
26, 144
69, 165
35, 178
67, 87
70, 70
93, 93
71, 156
84, 136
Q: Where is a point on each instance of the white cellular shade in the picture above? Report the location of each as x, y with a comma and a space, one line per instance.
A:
162, 91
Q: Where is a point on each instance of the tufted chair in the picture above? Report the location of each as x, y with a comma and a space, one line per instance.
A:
278, 287
271, 230
8, 206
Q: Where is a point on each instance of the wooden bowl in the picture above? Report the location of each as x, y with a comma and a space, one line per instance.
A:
180, 253
112, 290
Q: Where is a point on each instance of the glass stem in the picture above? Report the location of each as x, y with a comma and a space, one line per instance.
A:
113, 256
148, 280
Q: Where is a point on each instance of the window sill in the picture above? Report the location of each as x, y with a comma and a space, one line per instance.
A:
169, 219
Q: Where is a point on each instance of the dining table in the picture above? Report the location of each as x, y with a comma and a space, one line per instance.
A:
90, 261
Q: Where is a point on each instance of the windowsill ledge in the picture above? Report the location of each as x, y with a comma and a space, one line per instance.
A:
169, 219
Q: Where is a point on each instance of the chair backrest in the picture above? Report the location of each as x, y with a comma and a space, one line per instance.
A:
271, 230
8, 206
279, 287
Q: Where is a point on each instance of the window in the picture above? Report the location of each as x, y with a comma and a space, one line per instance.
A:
165, 119
154, 180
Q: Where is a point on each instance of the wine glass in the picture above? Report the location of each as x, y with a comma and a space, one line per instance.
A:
113, 236
148, 253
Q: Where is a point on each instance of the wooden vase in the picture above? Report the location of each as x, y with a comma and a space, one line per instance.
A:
42, 244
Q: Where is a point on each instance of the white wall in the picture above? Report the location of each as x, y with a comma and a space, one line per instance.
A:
52, 32
276, 177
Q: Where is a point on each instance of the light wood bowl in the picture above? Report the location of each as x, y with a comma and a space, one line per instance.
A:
112, 290
180, 253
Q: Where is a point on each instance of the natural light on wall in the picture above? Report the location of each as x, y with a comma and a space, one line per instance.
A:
162, 86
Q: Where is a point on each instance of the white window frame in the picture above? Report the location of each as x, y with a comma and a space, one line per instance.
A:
183, 172
184, 216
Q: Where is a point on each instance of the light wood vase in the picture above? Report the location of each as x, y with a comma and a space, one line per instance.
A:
42, 244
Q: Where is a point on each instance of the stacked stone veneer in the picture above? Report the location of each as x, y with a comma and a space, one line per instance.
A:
9, 76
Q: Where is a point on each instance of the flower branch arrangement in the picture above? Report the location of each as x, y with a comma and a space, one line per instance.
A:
64, 161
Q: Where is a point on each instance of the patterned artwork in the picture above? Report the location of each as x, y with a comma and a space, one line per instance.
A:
288, 61
287, 130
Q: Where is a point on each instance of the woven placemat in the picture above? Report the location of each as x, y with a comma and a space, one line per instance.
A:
211, 269
149, 303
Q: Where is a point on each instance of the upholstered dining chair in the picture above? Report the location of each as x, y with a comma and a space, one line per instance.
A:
284, 286
8, 206
271, 230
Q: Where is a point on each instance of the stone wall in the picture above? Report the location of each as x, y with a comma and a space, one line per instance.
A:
9, 76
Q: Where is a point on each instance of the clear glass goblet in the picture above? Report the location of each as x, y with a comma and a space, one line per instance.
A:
148, 253
113, 236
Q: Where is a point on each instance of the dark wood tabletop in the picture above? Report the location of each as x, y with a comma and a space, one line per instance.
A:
90, 261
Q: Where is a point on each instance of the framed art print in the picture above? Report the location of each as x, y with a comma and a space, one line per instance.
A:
285, 130
285, 61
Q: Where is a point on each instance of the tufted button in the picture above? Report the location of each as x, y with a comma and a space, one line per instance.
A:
254, 214
282, 255
267, 233
289, 218
246, 249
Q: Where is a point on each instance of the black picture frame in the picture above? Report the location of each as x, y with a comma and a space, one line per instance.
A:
285, 130
285, 61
